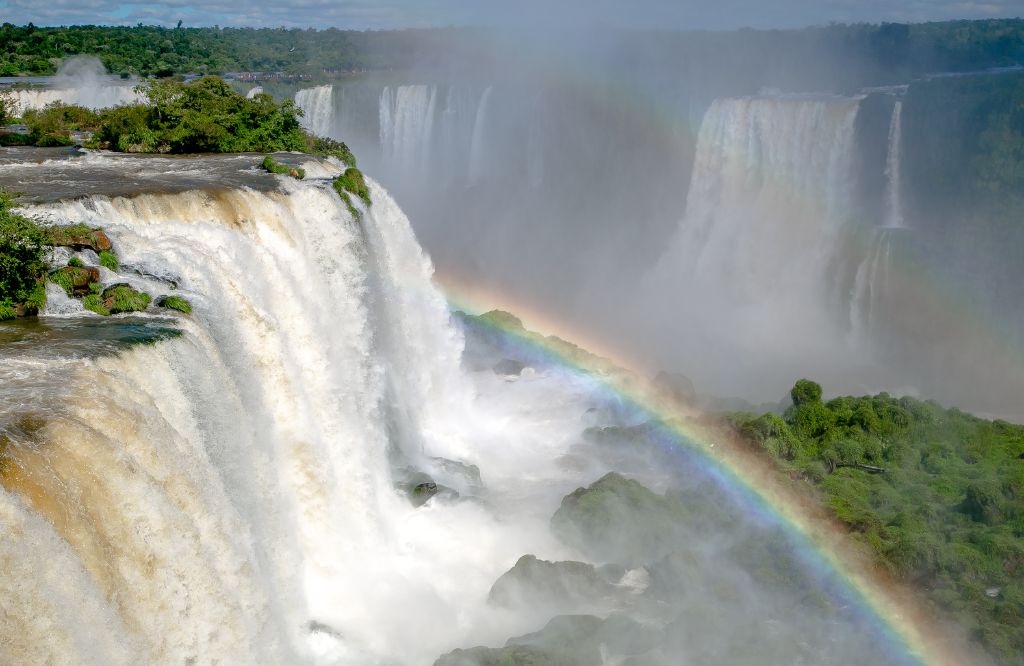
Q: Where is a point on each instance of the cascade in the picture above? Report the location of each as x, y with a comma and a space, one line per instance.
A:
770, 191
893, 168
89, 96
317, 107
235, 477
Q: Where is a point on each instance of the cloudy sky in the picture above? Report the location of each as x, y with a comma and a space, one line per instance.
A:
370, 14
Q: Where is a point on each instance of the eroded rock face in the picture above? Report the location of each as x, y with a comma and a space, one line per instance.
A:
533, 582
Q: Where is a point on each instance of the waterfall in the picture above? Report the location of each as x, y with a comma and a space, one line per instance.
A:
869, 283
893, 166
771, 186
317, 108
476, 146
90, 96
407, 115
226, 495
255, 90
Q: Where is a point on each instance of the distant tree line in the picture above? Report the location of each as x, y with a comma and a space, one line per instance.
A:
883, 52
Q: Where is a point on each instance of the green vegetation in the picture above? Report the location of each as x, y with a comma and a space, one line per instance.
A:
203, 116
21, 261
271, 166
109, 260
65, 280
351, 182
122, 298
76, 262
94, 303
937, 494
325, 147
175, 303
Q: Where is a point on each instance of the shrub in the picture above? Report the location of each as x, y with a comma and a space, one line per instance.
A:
109, 260
21, 254
325, 147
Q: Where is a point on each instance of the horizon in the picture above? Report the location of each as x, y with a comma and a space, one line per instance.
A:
367, 15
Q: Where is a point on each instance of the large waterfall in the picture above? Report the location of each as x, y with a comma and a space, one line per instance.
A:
225, 496
92, 96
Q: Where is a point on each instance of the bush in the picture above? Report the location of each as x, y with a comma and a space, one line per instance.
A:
805, 391
21, 255
52, 125
325, 147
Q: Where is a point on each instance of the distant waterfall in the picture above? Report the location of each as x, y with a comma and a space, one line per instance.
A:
893, 167
407, 115
90, 96
771, 188
317, 108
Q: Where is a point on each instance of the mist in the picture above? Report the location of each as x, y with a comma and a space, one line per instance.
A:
702, 203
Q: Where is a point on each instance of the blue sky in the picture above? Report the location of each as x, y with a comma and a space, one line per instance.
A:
370, 14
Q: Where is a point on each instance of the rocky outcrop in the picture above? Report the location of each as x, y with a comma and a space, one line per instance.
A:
533, 582
79, 237
122, 297
76, 280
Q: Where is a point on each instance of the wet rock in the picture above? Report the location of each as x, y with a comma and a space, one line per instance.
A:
509, 367
460, 474
78, 237
533, 582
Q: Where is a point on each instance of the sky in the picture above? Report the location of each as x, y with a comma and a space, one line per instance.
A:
385, 14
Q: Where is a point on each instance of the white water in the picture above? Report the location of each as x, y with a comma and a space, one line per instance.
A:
89, 96
407, 116
227, 496
317, 105
771, 186
893, 170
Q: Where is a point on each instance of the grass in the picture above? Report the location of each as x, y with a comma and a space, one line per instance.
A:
122, 298
76, 262
63, 280
94, 303
175, 303
7, 311
109, 260
281, 169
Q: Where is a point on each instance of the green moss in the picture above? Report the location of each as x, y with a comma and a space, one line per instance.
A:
175, 303
271, 166
76, 262
122, 298
94, 303
109, 260
63, 280
349, 183
94, 287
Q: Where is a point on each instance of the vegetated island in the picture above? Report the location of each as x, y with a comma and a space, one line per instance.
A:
201, 116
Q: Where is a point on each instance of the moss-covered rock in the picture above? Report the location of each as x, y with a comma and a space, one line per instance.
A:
75, 280
123, 298
174, 303
78, 236
619, 520
352, 183
272, 166
109, 260
536, 583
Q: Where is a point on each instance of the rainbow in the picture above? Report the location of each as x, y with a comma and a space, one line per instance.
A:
889, 610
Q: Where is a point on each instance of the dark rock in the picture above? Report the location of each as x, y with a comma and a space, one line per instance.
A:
422, 492
533, 582
509, 367
619, 520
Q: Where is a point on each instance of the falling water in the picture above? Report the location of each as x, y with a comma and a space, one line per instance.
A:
317, 107
893, 167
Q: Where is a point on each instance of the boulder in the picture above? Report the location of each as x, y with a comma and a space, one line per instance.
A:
122, 297
76, 280
79, 237
566, 585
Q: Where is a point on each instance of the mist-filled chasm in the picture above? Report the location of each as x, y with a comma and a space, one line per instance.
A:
536, 398
319, 465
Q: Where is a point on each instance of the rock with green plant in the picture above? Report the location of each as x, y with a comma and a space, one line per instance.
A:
122, 297
349, 184
174, 303
76, 280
